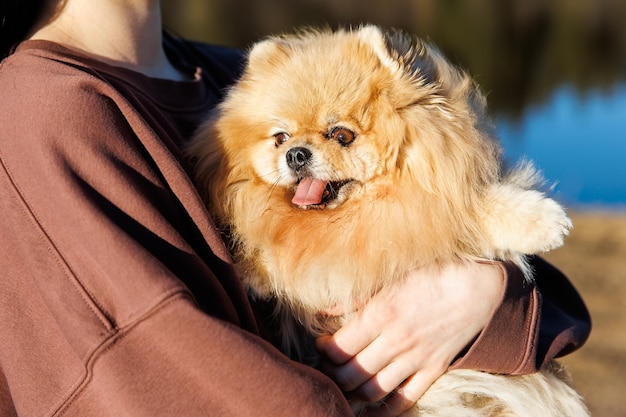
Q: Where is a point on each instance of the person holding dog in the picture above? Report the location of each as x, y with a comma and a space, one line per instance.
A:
118, 295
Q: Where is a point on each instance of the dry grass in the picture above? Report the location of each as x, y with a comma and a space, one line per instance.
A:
594, 258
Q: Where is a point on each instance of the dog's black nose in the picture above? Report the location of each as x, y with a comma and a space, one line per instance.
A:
298, 157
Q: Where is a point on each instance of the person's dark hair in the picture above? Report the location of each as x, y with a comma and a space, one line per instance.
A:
16, 18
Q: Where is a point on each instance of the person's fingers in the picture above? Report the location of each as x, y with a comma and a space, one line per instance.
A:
406, 396
360, 368
389, 352
349, 340
329, 349
385, 381
347, 376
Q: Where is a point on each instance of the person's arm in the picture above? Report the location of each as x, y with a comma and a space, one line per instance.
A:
533, 324
411, 335
112, 302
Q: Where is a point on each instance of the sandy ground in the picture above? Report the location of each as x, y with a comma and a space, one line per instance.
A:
594, 258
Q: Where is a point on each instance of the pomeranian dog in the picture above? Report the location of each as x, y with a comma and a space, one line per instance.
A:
343, 159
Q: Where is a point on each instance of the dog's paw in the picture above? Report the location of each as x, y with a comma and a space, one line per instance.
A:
542, 226
524, 221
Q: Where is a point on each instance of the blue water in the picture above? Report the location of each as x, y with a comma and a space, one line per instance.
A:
579, 142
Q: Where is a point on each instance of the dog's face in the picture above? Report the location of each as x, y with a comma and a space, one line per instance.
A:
322, 144
325, 114
329, 148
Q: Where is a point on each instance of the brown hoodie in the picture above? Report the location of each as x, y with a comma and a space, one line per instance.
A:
117, 296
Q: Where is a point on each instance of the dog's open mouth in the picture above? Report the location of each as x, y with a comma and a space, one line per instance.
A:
315, 193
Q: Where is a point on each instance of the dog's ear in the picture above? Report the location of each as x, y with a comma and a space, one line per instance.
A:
409, 56
268, 50
403, 54
375, 38
436, 82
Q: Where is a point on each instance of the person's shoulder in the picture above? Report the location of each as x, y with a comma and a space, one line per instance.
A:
41, 74
34, 59
44, 93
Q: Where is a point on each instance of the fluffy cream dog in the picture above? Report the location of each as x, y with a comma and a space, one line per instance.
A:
341, 160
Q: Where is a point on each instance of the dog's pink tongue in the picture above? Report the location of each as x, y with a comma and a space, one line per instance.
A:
309, 191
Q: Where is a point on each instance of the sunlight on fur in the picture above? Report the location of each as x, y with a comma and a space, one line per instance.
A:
341, 160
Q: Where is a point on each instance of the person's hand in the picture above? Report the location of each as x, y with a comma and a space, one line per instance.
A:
406, 336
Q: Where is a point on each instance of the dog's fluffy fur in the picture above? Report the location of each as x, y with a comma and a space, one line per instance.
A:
399, 140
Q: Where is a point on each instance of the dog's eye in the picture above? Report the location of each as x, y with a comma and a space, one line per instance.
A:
280, 138
342, 135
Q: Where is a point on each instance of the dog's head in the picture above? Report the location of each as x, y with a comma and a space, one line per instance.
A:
325, 114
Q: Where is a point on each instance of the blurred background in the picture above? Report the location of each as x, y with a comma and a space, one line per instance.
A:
555, 76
